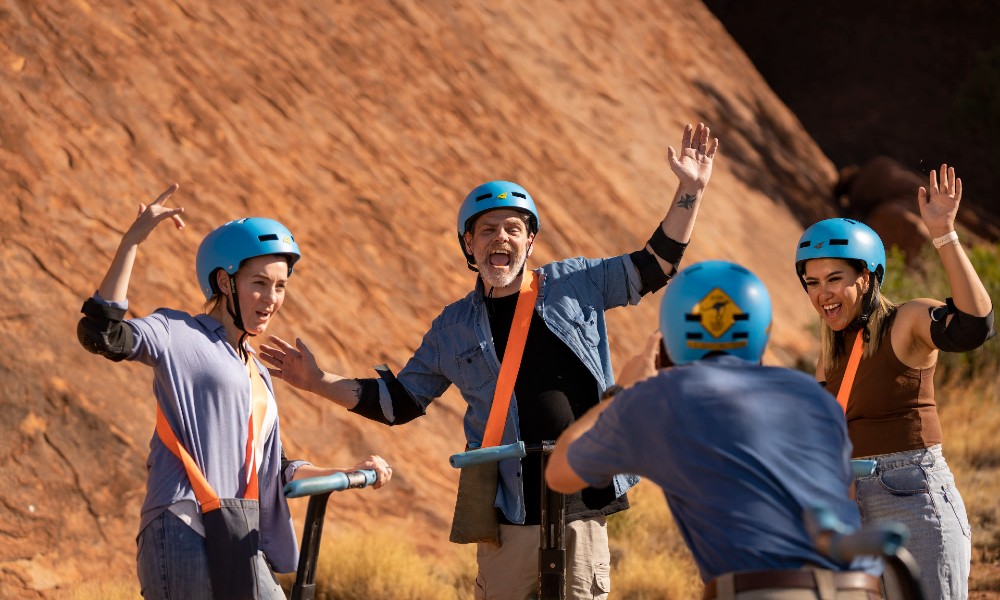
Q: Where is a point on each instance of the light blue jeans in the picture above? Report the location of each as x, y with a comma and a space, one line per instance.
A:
172, 565
916, 488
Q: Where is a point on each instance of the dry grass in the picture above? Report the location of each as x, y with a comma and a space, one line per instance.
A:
970, 416
356, 566
648, 556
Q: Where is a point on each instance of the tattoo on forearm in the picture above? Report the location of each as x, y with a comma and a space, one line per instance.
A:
686, 201
357, 394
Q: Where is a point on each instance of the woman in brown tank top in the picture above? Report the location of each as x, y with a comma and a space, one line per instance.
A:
889, 401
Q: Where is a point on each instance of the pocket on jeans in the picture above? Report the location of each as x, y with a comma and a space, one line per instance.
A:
954, 499
905, 481
602, 579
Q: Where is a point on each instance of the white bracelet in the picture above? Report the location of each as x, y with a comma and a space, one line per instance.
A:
945, 239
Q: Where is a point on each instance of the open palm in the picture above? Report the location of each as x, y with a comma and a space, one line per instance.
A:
693, 164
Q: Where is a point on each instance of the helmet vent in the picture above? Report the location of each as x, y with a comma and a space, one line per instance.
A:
518, 194
694, 336
741, 317
270, 237
482, 197
741, 335
839, 242
805, 244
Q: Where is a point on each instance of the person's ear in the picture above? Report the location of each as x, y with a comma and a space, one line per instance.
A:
866, 279
222, 280
531, 245
467, 238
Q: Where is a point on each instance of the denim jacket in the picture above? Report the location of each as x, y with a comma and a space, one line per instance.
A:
573, 297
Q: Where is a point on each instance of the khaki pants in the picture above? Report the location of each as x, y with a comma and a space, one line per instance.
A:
510, 572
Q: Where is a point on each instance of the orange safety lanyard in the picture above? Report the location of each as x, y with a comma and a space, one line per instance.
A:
844, 394
203, 491
523, 312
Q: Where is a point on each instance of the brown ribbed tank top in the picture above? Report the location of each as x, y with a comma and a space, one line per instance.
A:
891, 407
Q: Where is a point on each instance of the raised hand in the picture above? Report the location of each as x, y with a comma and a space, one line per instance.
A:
153, 214
693, 165
296, 366
643, 364
938, 203
114, 286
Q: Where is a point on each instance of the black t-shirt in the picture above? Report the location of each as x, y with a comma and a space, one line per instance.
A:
553, 389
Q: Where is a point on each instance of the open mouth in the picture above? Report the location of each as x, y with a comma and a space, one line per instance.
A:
831, 311
499, 259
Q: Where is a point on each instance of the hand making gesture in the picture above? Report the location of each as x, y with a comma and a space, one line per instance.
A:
153, 214
693, 165
939, 202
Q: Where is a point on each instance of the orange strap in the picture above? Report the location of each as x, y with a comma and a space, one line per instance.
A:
844, 394
203, 490
511, 360
207, 497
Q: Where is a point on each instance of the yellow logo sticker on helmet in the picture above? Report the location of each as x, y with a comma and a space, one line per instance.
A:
286, 239
717, 311
502, 196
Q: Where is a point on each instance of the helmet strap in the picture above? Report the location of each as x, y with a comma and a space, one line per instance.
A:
233, 306
868, 303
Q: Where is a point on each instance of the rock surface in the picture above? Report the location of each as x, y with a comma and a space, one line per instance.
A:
360, 126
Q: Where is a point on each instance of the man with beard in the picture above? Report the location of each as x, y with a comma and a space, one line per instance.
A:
563, 371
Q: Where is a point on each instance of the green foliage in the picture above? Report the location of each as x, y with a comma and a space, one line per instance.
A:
930, 281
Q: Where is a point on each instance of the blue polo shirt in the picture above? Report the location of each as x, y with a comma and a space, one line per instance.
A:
740, 451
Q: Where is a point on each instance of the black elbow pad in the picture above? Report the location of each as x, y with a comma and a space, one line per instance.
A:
404, 405
102, 331
963, 332
651, 276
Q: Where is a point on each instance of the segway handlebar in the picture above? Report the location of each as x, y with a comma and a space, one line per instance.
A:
485, 455
876, 539
329, 483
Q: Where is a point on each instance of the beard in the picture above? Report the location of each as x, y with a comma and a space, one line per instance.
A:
501, 277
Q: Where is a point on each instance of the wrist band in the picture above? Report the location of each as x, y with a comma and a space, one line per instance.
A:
611, 391
945, 239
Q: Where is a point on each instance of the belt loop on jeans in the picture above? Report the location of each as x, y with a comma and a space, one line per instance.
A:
725, 587
826, 589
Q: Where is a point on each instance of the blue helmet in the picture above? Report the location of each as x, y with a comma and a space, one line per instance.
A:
715, 306
229, 245
841, 238
490, 196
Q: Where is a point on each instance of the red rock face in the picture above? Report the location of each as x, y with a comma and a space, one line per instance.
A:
361, 127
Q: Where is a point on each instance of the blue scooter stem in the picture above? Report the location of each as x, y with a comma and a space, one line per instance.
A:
318, 489
485, 455
329, 483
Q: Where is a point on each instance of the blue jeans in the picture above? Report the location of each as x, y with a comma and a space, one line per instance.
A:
172, 565
916, 488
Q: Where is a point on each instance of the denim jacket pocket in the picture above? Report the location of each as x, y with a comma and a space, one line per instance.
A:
585, 323
472, 369
905, 481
